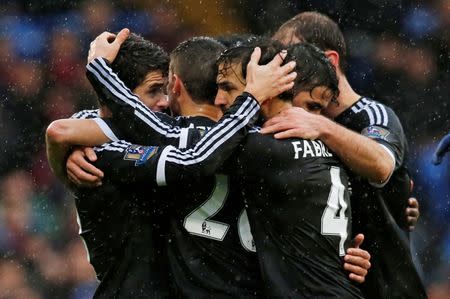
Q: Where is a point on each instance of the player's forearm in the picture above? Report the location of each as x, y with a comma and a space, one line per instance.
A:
76, 132
135, 121
57, 151
56, 156
109, 89
213, 149
362, 155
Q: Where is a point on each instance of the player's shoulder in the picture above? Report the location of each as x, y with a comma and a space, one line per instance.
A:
86, 114
369, 112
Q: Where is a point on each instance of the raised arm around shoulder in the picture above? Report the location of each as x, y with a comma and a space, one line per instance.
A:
64, 133
76, 132
361, 154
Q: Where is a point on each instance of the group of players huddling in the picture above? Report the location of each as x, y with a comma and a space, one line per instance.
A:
266, 170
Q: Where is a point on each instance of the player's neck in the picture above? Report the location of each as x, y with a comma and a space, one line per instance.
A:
347, 97
206, 110
274, 106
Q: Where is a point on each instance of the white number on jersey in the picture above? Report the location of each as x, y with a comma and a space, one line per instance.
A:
332, 223
245, 235
199, 222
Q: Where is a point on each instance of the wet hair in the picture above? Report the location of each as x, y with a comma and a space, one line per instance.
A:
136, 58
313, 69
194, 61
243, 52
234, 40
317, 29
312, 66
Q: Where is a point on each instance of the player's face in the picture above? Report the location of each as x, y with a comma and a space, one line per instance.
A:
152, 91
231, 84
313, 102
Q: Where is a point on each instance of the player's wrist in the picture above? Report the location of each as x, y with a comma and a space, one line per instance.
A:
326, 128
249, 94
98, 58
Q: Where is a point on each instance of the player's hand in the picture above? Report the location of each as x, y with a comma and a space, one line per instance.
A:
107, 45
80, 171
269, 80
442, 148
357, 260
295, 122
412, 213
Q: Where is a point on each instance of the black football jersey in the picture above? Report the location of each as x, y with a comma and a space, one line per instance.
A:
210, 247
379, 211
298, 208
300, 215
125, 244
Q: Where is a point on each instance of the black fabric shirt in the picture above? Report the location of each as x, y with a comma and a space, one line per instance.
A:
120, 226
210, 245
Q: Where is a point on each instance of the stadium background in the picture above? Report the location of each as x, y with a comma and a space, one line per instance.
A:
399, 53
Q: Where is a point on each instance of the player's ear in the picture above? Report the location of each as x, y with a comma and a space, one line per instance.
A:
333, 56
177, 84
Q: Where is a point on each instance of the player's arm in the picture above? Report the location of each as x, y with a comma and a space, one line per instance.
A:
125, 163
133, 120
140, 163
62, 134
361, 154
214, 148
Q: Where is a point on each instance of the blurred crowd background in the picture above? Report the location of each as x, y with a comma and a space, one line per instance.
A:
399, 54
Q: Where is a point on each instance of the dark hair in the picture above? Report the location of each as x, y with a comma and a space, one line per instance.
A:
194, 61
312, 66
243, 52
317, 29
313, 69
237, 39
136, 58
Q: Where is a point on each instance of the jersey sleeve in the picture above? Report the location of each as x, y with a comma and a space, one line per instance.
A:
388, 132
132, 119
127, 163
213, 149
86, 114
124, 162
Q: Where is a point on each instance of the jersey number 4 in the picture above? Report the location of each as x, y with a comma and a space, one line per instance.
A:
334, 222
199, 221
